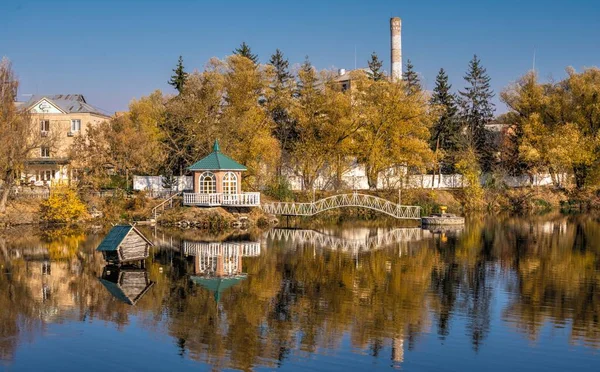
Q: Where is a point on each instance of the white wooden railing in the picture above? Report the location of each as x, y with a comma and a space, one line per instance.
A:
247, 199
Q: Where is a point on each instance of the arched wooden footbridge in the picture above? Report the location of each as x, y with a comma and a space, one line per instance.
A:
356, 200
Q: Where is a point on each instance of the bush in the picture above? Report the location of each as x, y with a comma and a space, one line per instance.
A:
62, 207
468, 166
280, 189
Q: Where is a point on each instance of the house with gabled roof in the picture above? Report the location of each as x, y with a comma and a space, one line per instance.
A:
124, 243
63, 117
217, 180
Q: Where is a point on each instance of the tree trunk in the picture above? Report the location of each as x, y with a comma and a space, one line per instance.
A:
371, 178
8, 183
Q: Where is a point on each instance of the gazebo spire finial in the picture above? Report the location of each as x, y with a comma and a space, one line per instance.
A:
216, 147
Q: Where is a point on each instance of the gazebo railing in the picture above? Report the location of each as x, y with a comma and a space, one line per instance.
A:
247, 199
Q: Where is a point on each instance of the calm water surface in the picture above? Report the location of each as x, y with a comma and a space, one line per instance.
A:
501, 294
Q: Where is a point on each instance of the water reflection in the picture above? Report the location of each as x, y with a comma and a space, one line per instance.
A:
218, 265
127, 284
353, 294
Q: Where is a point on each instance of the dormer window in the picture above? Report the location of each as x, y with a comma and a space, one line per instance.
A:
75, 125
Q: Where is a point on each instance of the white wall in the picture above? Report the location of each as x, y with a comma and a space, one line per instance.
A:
356, 179
155, 183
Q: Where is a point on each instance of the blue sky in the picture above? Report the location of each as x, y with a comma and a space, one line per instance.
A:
113, 51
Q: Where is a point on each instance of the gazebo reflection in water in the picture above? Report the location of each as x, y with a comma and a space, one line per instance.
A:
218, 265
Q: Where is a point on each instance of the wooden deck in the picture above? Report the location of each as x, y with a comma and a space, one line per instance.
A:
247, 199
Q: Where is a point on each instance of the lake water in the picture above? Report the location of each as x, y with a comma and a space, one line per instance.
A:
502, 294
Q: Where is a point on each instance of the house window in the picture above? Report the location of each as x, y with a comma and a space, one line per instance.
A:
75, 125
208, 183
44, 126
230, 183
45, 175
45, 152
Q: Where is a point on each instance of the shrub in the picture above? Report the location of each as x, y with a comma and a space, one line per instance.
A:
62, 207
280, 189
468, 166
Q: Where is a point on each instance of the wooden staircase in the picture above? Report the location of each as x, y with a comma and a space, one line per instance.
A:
165, 205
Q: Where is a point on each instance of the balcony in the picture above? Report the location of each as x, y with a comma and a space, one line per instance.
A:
247, 199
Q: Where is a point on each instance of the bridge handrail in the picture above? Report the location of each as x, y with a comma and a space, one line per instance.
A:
344, 200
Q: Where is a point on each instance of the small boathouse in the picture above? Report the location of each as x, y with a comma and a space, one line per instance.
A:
124, 243
217, 181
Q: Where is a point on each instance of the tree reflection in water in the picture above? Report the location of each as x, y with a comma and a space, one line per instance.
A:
240, 306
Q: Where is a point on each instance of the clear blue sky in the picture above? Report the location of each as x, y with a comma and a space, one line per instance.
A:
112, 51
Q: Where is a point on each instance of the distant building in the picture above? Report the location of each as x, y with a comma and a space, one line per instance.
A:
63, 116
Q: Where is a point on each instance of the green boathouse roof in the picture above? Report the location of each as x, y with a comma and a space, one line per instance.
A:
115, 237
216, 160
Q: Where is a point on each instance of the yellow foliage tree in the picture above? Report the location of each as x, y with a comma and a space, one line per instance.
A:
395, 130
62, 207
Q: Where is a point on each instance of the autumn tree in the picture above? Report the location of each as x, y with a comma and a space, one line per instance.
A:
244, 51
395, 130
128, 143
245, 126
477, 110
191, 120
556, 126
179, 77
326, 128
375, 67
19, 134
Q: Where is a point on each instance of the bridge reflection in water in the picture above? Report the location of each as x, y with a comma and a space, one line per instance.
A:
365, 243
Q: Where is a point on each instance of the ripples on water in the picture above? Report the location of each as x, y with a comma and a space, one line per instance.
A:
520, 294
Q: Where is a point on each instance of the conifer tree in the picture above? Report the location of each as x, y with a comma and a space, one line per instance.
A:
477, 110
411, 78
445, 132
375, 65
279, 103
245, 51
180, 76
281, 66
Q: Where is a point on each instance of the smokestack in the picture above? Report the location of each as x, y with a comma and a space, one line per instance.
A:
396, 46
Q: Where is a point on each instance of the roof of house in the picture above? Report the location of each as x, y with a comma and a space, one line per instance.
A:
69, 103
115, 237
216, 160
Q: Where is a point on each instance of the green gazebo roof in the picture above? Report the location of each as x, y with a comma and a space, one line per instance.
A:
218, 284
216, 160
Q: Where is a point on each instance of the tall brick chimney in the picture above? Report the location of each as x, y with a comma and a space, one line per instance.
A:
396, 47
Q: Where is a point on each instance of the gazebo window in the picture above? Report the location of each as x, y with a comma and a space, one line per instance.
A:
230, 183
208, 183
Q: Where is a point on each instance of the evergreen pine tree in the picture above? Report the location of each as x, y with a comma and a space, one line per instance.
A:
477, 110
411, 78
245, 51
180, 76
375, 65
281, 65
284, 130
445, 133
